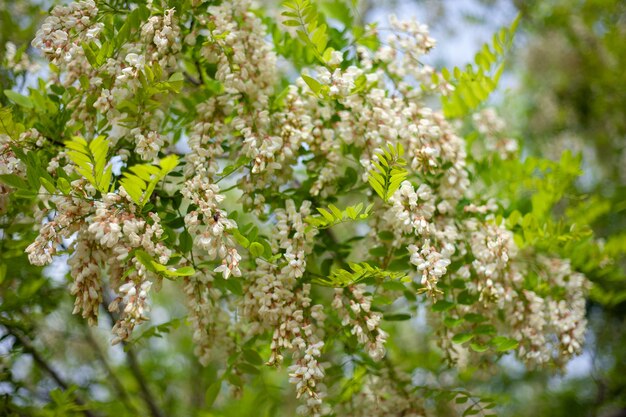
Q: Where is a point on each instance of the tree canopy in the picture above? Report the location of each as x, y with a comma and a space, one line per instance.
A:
216, 208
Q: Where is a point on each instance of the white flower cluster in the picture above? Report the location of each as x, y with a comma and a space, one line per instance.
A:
9, 162
493, 130
246, 64
148, 145
293, 236
62, 33
68, 219
17, 62
277, 301
551, 326
381, 396
205, 140
546, 317
412, 209
402, 53
436, 154
107, 231
161, 35
133, 295
117, 80
118, 231
209, 225
431, 264
86, 270
353, 305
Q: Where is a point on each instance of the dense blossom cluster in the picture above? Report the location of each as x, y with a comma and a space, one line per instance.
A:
60, 34
379, 397
277, 301
104, 233
354, 307
440, 230
493, 129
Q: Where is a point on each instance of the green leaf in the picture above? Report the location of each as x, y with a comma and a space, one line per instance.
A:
461, 338
313, 84
91, 162
211, 393
145, 260
337, 213
19, 99
185, 241
256, 249
442, 305
234, 286
247, 368
467, 298
185, 271
474, 85
388, 172
253, 357
142, 180
397, 317
241, 239
64, 185
340, 277
477, 347
14, 181
48, 185
502, 343
329, 217
452, 322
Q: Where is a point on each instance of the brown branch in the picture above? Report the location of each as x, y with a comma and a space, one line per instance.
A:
135, 369
41, 362
143, 386
117, 384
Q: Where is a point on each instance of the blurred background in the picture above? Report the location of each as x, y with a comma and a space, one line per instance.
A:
564, 87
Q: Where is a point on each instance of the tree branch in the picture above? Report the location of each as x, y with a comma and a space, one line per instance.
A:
117, 384
143, 386
41, 362
135, 369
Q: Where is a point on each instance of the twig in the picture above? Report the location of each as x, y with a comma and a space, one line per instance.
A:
191, 79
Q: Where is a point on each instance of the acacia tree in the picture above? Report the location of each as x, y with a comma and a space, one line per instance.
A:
281, 170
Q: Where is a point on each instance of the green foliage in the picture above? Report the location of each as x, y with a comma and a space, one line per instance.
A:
18, 99
312, 30
8, 126
162, 270
473, 85
248, 236
91, 161
457, 402
539, 186
63, 403
358, 273
388, 172
151, 95
141, 181
333, 215
158, 331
